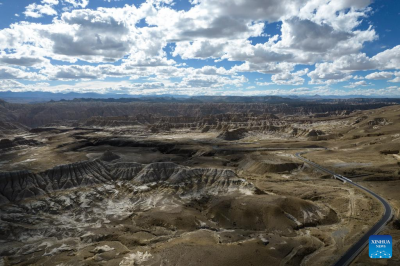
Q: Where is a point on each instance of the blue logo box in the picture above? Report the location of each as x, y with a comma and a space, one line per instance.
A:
380, 247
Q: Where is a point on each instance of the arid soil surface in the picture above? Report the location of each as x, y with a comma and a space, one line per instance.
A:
206, 189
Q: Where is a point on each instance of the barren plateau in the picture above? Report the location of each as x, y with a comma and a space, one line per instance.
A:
213, 183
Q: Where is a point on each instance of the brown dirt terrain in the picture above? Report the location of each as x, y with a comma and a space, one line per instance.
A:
201, 190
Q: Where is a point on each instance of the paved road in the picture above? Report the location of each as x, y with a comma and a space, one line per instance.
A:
358, 247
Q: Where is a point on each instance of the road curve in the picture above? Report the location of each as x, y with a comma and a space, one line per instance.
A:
359, 246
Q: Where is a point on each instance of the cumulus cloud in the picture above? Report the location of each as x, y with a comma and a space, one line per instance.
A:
18, 60
256, 54
201, 24
264, 83
397, 78
288, 78
200, 49
324, 73
36, 11
357, 84
306, 35
212, 81
78, 3
10, 84
73, 72
340, 69
212, 70
271, 10
379, 75
50, 2
92, 35
267, 68
15, 73
147, 41
388, 59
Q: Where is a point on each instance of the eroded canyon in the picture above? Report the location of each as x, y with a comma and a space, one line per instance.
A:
193, 183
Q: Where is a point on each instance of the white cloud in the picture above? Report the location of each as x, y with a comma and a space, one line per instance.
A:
311, 30
132, 42
264, 83
267, 68
212, 70
271, 11
158, 88
102, 35
379, 75
50, 2
200, 49
325, 73
73, 72
200, 23
340, 69
288, 78
190, 86
397, 78
15, 73
357, 84
78, 3
9, 84
92, 35
308, 36
21, 60
389, 59
36, 11
256, 54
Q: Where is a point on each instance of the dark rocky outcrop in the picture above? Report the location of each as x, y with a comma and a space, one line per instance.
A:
109, 156
386, 152
235, 134
17, 142
11, 127
315, 133
18, 185
15, 186
378, 121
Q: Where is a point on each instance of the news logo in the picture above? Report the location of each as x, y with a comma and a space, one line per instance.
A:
380, 247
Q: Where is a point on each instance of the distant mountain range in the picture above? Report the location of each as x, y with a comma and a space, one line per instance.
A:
34, 96
37, 96
31, 97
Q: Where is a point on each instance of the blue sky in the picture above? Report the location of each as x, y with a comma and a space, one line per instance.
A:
201, 47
